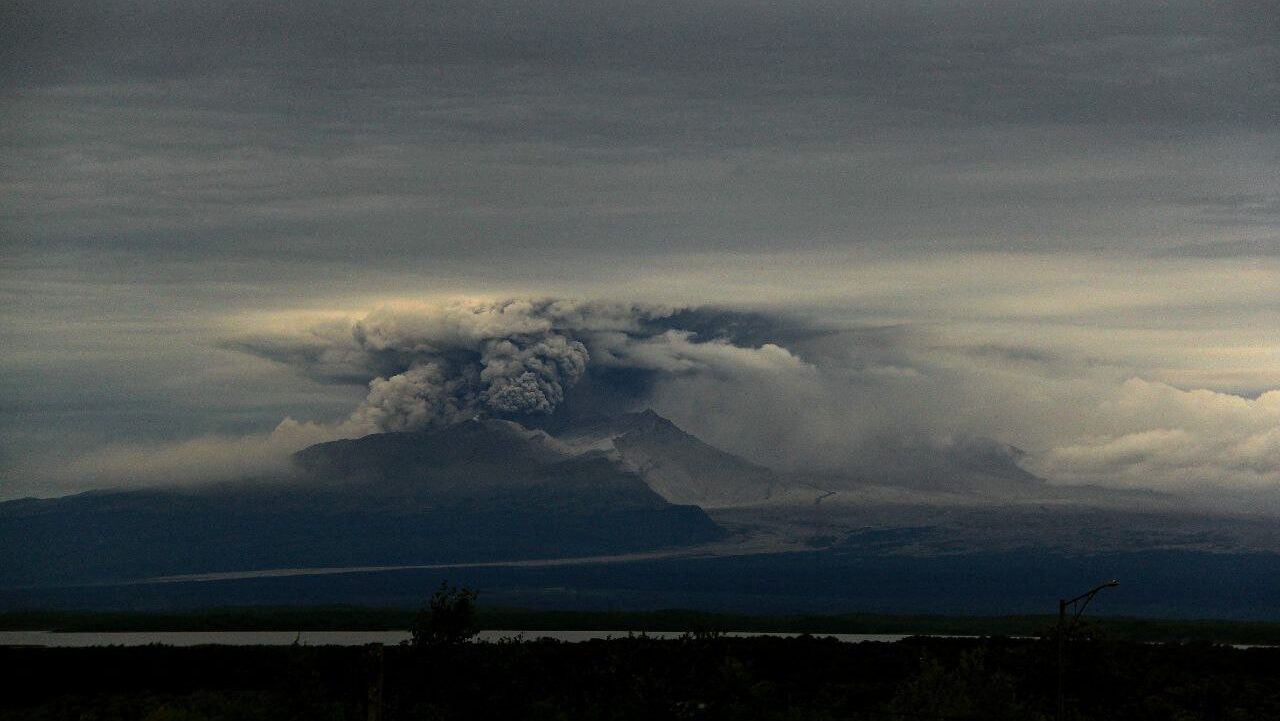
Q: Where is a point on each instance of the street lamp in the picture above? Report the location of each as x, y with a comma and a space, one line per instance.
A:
1087, 596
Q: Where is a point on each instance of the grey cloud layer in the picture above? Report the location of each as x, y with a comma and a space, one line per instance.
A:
1051, 61
191, 131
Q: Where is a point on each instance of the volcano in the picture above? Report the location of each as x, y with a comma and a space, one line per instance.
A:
479, 491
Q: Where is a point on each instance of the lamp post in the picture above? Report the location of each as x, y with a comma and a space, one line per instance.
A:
1087, 596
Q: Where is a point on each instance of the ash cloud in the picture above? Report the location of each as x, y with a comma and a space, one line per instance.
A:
428, 366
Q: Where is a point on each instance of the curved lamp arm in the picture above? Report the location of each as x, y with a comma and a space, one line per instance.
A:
1087, 596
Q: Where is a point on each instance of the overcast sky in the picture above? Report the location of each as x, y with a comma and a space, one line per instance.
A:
1055, 224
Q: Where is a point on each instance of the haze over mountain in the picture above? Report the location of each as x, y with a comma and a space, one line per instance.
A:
495, 491
475, 491
676, 465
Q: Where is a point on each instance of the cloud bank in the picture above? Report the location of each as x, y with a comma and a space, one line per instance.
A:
783, 391
199, 460
1193, 441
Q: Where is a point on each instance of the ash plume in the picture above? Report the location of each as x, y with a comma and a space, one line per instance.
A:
429, 366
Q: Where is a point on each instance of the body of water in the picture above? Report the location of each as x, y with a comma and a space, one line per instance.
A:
341, 638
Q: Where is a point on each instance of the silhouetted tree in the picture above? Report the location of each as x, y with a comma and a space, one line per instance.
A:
449, 618
967, 690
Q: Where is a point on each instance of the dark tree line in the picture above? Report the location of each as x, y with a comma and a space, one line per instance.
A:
700, 676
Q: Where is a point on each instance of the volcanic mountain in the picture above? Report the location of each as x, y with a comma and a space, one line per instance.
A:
412, 504
676, 465
477, 491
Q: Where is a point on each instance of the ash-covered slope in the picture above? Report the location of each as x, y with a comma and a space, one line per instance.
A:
486, 463
676, 465
477, 491
976, 467
683, 469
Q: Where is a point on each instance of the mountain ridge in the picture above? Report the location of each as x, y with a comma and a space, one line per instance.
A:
496, 491
477, 492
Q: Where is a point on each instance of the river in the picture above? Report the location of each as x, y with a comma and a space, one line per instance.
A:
341, 638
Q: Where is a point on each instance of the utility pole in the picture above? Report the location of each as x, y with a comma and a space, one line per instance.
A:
374, 654
1063, 630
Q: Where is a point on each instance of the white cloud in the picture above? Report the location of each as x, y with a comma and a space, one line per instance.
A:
196, 460
1162, 437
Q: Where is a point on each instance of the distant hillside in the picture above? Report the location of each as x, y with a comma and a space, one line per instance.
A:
478, 491
676, 465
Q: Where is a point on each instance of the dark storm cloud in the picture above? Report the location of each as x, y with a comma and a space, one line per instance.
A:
1004, 60
192, 131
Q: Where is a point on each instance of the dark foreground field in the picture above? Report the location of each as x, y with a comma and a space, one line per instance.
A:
698, 676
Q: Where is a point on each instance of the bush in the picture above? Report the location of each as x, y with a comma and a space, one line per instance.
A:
449, 618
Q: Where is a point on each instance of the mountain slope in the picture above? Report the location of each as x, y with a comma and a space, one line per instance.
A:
676, 465
476, 462
481, 491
